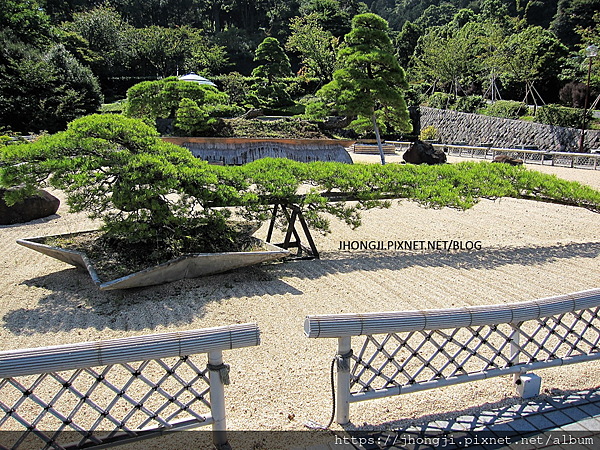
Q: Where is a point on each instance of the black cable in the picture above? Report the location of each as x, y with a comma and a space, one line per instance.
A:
332, 394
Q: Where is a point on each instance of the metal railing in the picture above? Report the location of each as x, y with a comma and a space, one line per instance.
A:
529, 156
409, 351
561, 159
105, 393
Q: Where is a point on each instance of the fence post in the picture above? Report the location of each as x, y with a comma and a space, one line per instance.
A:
343, 379
217, 370
515, 348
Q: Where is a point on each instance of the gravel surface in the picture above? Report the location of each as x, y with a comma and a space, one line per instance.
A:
529, 250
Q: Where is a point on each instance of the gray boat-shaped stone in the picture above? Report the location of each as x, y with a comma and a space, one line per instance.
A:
191, 265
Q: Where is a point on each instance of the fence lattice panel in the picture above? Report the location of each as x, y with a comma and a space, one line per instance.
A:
112, 392
403, 359
101, 404
381, 354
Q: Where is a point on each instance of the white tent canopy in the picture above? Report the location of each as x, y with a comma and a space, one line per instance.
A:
197, 78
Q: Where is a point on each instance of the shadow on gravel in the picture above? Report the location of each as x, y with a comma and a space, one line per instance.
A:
486, 258
32, 222
73, 301
495, 416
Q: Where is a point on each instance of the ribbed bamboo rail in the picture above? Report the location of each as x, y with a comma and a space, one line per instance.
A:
409, 351
168, 383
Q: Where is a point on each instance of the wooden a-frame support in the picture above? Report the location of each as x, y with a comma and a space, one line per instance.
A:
311, 251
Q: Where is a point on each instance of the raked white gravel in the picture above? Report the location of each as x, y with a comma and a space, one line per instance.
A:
529, 250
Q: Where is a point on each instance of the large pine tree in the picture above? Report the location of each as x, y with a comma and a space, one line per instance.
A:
370, 85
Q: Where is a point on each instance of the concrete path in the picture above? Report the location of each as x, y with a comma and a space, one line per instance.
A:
563, 422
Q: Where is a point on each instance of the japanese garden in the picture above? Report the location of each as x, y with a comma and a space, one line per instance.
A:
107, 110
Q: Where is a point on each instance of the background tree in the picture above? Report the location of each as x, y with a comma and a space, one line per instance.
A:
42, 86
273, 65
537, 12
163, 52
532, 56
570, 14
436, 16
590, 35
493, 10
370, 83
108, 35
315, 45
24, 22
331, 14
45, 91
406, 42
449, 57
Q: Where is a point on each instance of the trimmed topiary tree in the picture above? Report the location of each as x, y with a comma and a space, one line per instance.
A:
163, 99
274, 64
371, 82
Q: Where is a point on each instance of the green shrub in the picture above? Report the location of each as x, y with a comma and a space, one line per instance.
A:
190, 118
236, 86
439, 100
192, 105
507, 109
415, 94
469, 104
300, 86
285, 128
562, 116
161, 98
429, 133
113, 108
44, 91
5, 140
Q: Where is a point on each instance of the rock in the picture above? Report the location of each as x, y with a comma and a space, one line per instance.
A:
508, 160
424, 153
41, 204
253, 114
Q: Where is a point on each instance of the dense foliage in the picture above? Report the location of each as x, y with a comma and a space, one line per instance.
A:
562, 116
194, 106
468, 104
370, 83
153, 193
507, 109
273, 65
525, 50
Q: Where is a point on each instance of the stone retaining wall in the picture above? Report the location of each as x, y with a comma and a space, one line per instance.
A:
236, 151
475, 129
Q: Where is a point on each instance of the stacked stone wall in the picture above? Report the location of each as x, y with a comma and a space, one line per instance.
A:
475, 129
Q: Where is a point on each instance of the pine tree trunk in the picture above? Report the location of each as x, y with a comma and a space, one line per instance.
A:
378, 139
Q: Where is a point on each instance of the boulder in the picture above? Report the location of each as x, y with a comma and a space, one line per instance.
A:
508, 160
41, 204
424, 153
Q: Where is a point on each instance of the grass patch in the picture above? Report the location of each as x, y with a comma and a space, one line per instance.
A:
113, 108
